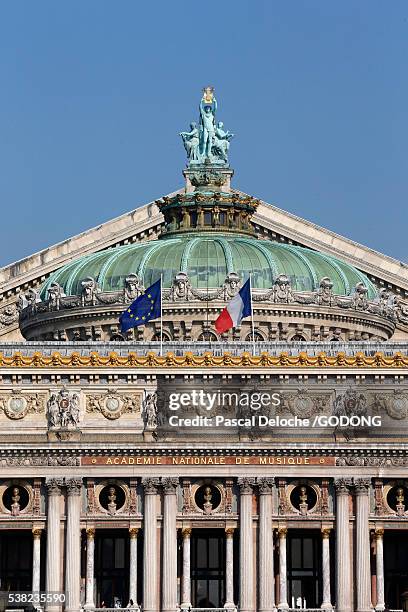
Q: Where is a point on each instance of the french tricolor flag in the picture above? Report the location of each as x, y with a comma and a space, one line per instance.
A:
237, 309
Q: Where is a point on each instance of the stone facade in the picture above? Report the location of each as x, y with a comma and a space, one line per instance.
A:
105, 468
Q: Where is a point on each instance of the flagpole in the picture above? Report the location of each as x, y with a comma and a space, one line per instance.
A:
252, 315
161, 315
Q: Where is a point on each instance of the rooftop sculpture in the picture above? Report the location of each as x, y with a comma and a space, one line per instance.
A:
208, 142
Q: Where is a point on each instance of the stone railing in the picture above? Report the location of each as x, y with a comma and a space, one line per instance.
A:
303, 609
236, 348
134, 608
208, 609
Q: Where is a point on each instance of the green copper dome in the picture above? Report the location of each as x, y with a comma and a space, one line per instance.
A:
207, 259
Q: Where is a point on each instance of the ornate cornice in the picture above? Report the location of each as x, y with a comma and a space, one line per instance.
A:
206, 360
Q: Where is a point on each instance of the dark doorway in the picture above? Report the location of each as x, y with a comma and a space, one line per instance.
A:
207, 568
112, 567
304, 568
395, 568
16, 560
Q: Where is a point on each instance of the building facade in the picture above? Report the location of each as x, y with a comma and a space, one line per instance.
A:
169, 467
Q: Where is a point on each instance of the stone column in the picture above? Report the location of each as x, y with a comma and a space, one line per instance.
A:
379, 535
343, 590
73, 545
150, 544
266, 571
326, 605
53, 561
186, 577
133, 533
90, 561
169, 578
283, 582
363, 574
229, 569
36, 560
246, 549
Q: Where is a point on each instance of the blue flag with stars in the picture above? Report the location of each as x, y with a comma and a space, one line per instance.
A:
145, 308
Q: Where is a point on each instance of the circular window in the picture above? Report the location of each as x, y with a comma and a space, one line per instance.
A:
397, 498
112, 498
303, 497
207, 498
15, 499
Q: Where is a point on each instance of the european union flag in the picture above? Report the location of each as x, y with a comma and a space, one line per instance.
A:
145, 308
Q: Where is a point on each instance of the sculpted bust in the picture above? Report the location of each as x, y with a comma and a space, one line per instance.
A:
181, 288
133, 287
231, 285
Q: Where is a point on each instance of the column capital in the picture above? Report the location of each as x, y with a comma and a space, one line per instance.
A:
379, 534
282, 532
54, 485
36, 531
133, 532
186, 532
150, 485
170, 485
265, 485
362, 485
246, 485
326, 533
342, 485
229, 532
90, 533
73, 485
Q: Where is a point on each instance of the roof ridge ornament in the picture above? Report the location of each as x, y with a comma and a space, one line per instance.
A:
208, 143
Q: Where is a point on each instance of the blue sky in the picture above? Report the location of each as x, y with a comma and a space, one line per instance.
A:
94, 94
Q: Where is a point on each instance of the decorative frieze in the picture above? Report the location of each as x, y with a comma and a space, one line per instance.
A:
370, 461
113, 404
206, 360
40, 460
17, 405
